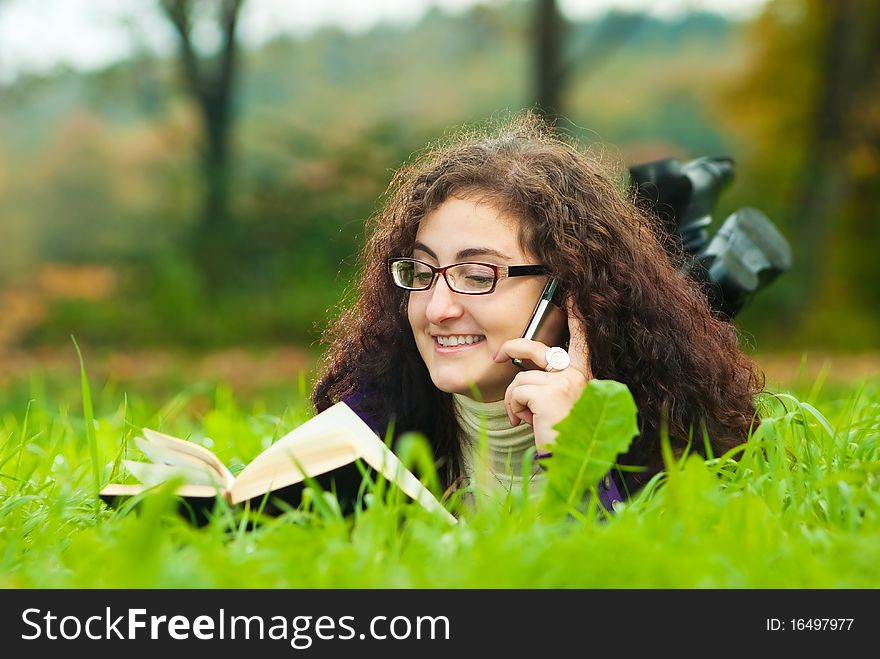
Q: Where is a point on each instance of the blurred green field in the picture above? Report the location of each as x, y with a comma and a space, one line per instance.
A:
101, 182
800, 509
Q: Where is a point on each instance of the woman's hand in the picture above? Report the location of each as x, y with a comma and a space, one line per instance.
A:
543, 399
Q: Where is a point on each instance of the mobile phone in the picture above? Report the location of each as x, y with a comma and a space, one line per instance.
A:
548, 323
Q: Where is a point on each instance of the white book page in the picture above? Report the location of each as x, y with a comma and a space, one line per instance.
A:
374, 452
168, 445
328, 431
162, 456
155, 474
125, 490
333, 438
281, 471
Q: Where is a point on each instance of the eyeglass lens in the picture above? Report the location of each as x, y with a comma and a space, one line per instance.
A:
462, 277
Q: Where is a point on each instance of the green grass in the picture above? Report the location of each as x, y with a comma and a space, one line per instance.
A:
800, 509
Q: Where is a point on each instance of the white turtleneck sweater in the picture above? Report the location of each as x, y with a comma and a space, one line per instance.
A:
493, 450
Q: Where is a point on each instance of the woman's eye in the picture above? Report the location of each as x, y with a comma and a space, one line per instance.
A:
423, 277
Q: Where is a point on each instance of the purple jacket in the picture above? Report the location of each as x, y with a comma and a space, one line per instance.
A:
609, 488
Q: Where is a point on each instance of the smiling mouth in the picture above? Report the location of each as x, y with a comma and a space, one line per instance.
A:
458, 341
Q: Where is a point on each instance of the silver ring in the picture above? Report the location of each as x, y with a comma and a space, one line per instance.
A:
557, 360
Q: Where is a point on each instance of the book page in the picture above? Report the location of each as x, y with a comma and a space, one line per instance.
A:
281, 470
373, 451
155, 474
163, 456
335, 437
128, 490
322, 441
169, 447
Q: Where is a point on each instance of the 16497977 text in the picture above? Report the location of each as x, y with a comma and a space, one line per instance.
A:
809, 624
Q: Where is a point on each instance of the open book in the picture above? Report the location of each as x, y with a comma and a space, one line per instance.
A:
327, 444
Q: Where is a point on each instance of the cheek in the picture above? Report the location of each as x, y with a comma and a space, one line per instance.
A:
510, 321
415, 313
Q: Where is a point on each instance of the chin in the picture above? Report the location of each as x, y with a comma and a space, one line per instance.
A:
451, 386
457, 385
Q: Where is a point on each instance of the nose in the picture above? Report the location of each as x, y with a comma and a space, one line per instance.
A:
444, 304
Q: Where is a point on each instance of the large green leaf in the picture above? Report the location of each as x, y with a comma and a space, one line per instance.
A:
601, 426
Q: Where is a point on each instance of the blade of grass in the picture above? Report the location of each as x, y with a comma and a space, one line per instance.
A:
21, 443
89, 415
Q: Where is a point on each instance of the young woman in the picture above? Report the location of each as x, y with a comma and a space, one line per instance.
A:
444, 297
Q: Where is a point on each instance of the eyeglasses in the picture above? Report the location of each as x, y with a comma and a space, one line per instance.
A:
470, 278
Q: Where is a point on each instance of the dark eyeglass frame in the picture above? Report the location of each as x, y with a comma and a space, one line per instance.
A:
501, 272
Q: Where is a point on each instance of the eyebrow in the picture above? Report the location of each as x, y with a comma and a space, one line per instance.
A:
468, 253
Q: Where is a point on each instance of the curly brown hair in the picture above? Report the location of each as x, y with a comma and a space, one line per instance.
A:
648, 325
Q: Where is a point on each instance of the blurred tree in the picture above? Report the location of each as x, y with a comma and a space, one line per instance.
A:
211, 80
809, 104
549, 75
559, 51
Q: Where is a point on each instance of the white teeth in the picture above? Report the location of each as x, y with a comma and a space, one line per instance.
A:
458, 340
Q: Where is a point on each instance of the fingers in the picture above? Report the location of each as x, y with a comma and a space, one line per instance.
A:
517, 401
520, 401
536, 392
536, 351
522, 349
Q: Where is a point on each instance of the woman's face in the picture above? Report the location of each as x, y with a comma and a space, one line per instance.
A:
464, 230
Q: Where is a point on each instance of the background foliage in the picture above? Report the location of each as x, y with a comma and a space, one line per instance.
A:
101, 189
